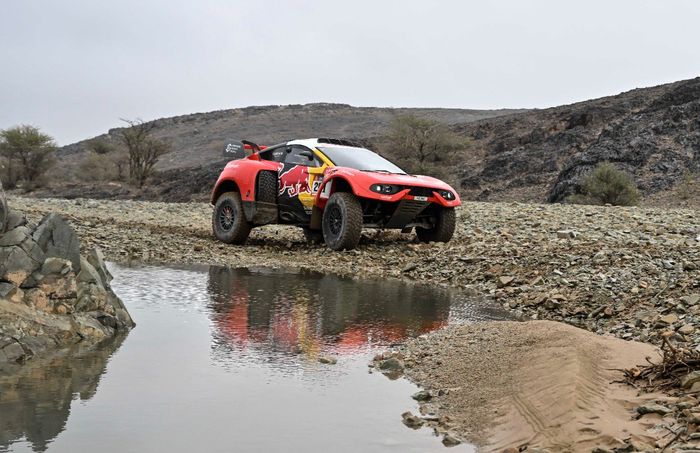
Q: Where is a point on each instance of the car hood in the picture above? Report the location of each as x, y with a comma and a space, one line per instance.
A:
377, 177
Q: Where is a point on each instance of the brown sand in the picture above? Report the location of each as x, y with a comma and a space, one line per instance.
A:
539, 383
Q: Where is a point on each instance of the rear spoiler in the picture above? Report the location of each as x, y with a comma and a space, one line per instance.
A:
236, 149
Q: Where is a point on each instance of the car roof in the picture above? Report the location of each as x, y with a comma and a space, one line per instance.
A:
315, 142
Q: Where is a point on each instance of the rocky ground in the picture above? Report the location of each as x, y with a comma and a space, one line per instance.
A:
630, 272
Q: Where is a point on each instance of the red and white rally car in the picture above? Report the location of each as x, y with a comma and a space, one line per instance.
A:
332, 188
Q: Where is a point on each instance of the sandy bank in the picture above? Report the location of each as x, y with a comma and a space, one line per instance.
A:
539, 383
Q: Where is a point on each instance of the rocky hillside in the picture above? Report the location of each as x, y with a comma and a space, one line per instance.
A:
540, 155
197, 139
516, 155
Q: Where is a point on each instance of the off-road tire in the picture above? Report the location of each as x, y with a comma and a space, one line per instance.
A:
444, 227
228, 220
267, 187
342, 221
313, 236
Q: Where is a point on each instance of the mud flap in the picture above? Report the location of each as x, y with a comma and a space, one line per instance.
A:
259, 212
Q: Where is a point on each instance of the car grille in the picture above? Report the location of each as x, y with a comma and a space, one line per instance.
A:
421, 192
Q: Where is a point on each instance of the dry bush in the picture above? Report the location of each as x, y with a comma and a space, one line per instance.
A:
97, 167
607, 185
687, 187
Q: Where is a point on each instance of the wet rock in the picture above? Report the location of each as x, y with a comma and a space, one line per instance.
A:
422, 395
448, 440
392, 364
412, 421
43, 303
653, 409
328, 360
88, 274
96, 260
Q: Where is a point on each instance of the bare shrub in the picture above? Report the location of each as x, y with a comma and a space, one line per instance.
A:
144, 149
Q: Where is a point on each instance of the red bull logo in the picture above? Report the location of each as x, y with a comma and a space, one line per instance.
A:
294, 181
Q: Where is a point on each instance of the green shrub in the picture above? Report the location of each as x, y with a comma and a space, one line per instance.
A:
607, 185
686, 187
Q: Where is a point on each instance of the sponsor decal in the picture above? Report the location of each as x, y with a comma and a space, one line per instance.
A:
294, 181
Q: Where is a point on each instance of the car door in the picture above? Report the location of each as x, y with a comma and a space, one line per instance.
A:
295, 196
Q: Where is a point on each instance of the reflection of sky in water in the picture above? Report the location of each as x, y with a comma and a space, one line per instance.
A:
227, 360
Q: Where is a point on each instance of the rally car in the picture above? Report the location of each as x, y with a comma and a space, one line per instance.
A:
332, 188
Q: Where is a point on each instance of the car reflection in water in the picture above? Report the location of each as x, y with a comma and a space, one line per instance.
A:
318, 314
36, 397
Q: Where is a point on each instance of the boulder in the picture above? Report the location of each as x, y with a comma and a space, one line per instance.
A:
15, 219
96, 259
50, 296
57, 239
16, 265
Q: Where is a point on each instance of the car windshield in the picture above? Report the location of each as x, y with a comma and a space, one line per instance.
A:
359, 158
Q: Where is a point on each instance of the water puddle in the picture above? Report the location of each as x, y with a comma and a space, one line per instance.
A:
228, 360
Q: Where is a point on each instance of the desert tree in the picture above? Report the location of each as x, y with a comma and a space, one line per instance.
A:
28, 153
144, 149
423, 145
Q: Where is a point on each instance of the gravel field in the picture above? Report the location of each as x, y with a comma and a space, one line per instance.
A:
632, 272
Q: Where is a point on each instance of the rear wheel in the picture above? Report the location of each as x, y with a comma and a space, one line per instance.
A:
228, 221
313, 236
342, 221
444, 227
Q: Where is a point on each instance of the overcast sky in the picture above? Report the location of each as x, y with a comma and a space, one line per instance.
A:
74, 68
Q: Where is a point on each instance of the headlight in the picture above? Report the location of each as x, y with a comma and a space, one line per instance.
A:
447, 195
385, 189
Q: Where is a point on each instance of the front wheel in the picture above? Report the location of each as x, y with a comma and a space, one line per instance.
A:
342, 221
228, 221
442, 230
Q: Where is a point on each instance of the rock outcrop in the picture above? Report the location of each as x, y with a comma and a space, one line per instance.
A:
542, 155
51, 296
